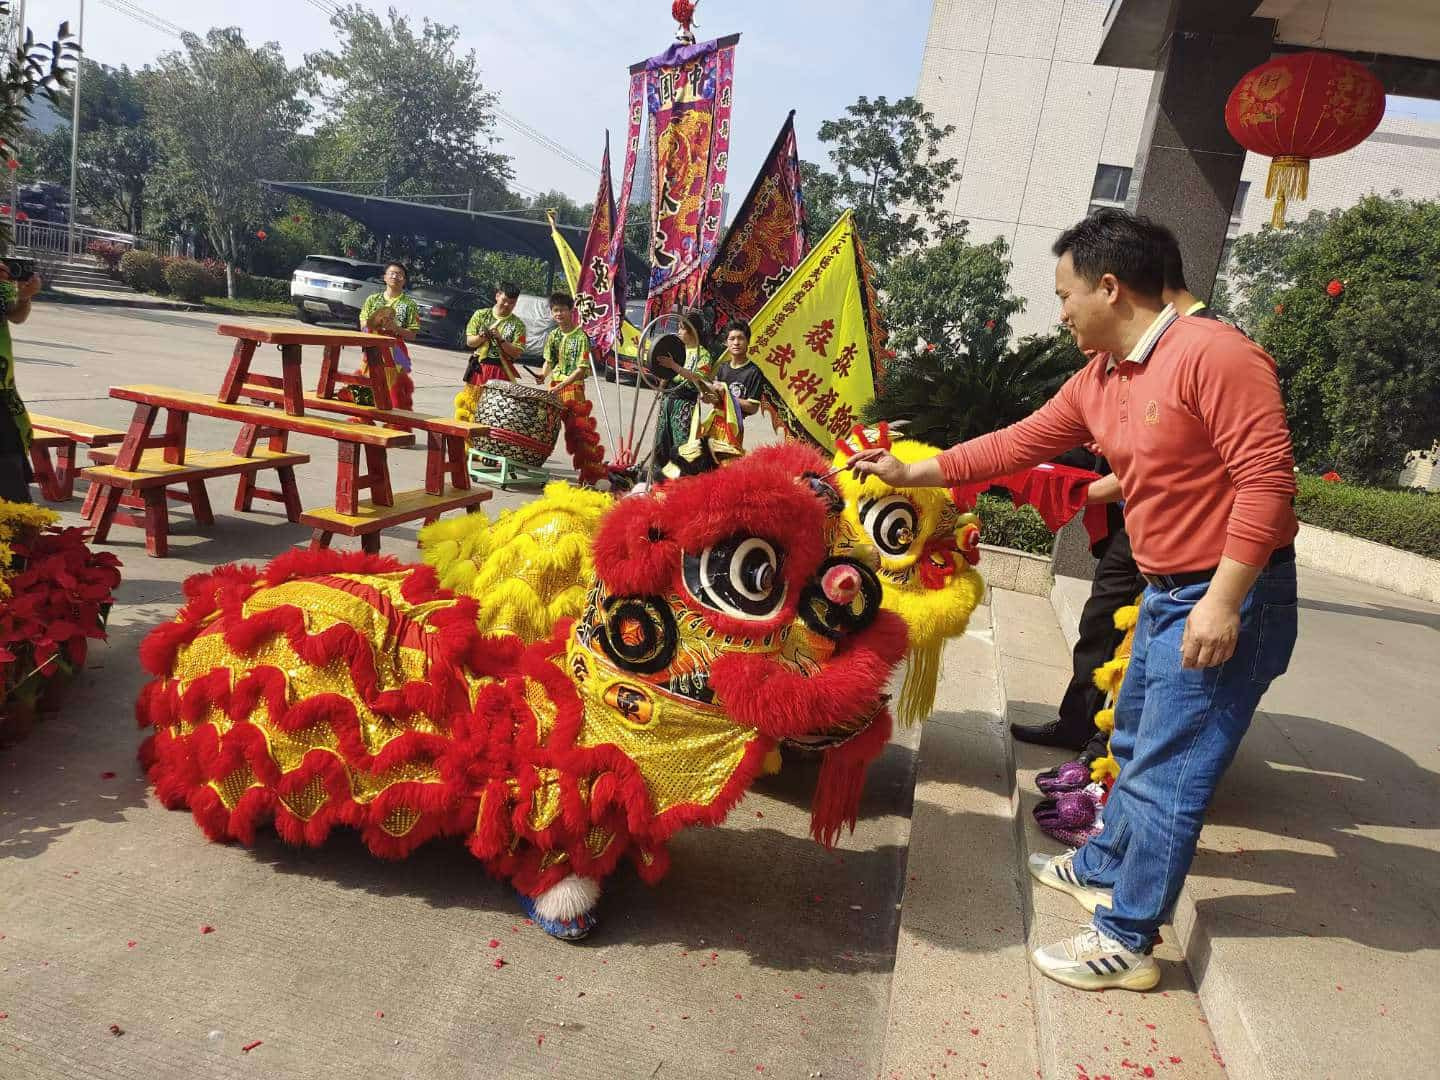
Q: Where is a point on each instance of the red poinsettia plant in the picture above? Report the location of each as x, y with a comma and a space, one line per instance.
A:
60, 594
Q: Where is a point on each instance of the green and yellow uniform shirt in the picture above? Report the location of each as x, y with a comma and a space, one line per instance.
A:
567, 353
511, 328
10, 397
407, 312
700, 362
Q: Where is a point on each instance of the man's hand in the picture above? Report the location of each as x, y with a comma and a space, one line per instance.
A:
1211, 632
883, 464
30, 286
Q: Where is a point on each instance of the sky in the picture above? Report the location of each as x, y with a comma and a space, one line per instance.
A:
560, 70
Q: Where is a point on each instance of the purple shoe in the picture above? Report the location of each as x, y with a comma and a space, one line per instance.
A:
1067, 776
1071, 817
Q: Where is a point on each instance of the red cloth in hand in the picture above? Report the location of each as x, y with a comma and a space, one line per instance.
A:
1057, 492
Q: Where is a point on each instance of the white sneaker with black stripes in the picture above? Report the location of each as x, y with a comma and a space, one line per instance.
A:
1057, 872
1092, 961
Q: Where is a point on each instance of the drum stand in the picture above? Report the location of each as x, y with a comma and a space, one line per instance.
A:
499, 471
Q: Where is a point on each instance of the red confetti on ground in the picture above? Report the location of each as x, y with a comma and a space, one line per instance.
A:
559, 978
1339, 987
759, 1068
379, 1015
738, 998
817, 898
251, 1046
4, 1016
1174, 1060
107, 776
759, 814
799, 997
499, 962
494, 943
529, 922
714, 956
974, 1031
206, 928
130, 944
116, 1030
539, 1040
1149, 1071
1150, 1026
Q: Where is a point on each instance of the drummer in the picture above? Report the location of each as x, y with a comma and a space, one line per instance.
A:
498, 337
567, 366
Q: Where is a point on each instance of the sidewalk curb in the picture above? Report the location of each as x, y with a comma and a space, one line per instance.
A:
141, 301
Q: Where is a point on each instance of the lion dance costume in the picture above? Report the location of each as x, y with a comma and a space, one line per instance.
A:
928, 548
349, 689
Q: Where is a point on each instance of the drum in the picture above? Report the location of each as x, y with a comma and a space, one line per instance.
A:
524, 422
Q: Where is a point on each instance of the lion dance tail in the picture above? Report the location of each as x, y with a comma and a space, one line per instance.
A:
582, 437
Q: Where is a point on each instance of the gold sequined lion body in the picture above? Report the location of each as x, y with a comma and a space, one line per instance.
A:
332, 689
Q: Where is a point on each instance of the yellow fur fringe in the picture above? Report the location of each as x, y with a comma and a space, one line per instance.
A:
922, 674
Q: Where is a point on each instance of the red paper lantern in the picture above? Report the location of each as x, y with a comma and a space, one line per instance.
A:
261, 234
13, 164
1335, 288
22, 216
1298, 107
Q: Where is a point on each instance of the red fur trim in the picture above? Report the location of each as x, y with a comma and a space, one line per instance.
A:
759, 693
634, 553
842, 780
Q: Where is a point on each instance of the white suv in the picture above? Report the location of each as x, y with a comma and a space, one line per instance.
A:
331, 286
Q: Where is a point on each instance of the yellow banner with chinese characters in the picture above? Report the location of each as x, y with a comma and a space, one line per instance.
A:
812, 339
628, 344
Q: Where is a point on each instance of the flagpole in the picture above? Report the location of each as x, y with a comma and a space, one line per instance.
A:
75, 135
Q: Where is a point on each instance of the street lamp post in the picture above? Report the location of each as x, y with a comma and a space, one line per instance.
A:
15, 174
75, 136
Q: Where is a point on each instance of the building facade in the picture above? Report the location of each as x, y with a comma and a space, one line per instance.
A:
1043, 134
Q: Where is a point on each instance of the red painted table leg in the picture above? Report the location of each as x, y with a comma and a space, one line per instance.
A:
105, 508
240, 358
157, 523
45, 476
329, 368
127, 457
377, 362
200, 502
290, 376
378, 474
65, 471
347, 480
177, 424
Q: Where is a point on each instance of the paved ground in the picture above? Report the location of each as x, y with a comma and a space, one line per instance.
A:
758, 950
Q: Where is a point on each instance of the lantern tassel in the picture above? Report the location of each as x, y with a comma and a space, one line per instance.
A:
1289, 179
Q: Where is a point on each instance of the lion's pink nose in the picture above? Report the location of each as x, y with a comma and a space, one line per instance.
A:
841, 584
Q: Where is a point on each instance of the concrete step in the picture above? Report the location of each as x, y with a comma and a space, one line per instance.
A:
89, 281
1309, 917
960, 999
1083, 1034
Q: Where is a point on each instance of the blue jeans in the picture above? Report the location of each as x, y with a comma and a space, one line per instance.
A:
1176, 732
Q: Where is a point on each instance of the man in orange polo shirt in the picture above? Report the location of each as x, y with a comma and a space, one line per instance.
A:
1188, 412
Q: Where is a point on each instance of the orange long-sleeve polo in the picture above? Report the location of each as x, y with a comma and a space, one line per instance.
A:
1196, 432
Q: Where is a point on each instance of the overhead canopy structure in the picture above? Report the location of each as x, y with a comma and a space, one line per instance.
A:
400, 217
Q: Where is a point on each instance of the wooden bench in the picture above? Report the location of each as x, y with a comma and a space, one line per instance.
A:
447, 440
370, 520
56, 475
147, 487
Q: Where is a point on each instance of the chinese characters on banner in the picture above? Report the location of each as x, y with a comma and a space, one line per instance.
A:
813, 340
600, 291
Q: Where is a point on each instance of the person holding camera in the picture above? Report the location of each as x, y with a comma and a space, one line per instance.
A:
16, 292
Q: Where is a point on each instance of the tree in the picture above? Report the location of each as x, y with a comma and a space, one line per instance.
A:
407, 109
117, 150
1349, 307
225, 116
949, 308
888, 170
36, 68
823, 208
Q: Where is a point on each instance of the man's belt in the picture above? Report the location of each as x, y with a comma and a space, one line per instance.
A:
1199, 577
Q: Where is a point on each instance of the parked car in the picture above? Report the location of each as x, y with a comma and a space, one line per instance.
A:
444, 313
333, 287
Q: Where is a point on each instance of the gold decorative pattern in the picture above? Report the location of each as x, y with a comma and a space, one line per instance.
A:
306, 802
233, 786
400, 820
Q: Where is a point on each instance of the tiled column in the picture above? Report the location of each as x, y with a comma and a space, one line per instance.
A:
1188, 167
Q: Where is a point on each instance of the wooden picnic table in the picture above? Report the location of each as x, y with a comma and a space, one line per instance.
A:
239, 379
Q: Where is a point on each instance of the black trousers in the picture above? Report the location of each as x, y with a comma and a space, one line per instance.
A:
1117, 583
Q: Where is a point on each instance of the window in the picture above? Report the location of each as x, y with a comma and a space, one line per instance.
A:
1241, 194
1222, 273
1112, 184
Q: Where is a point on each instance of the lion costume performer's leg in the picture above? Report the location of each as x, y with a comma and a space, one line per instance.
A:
582, 439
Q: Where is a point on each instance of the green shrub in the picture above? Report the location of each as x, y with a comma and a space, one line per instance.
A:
191, 280
143, 270
254, 287
1005, 525
1409, 520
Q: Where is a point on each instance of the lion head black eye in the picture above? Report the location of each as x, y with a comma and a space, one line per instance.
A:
740, 577
890, 521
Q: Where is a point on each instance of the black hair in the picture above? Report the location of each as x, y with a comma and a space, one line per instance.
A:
403, 268
1170, 253
562, 299
738, 324
1115, 242
509, 288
